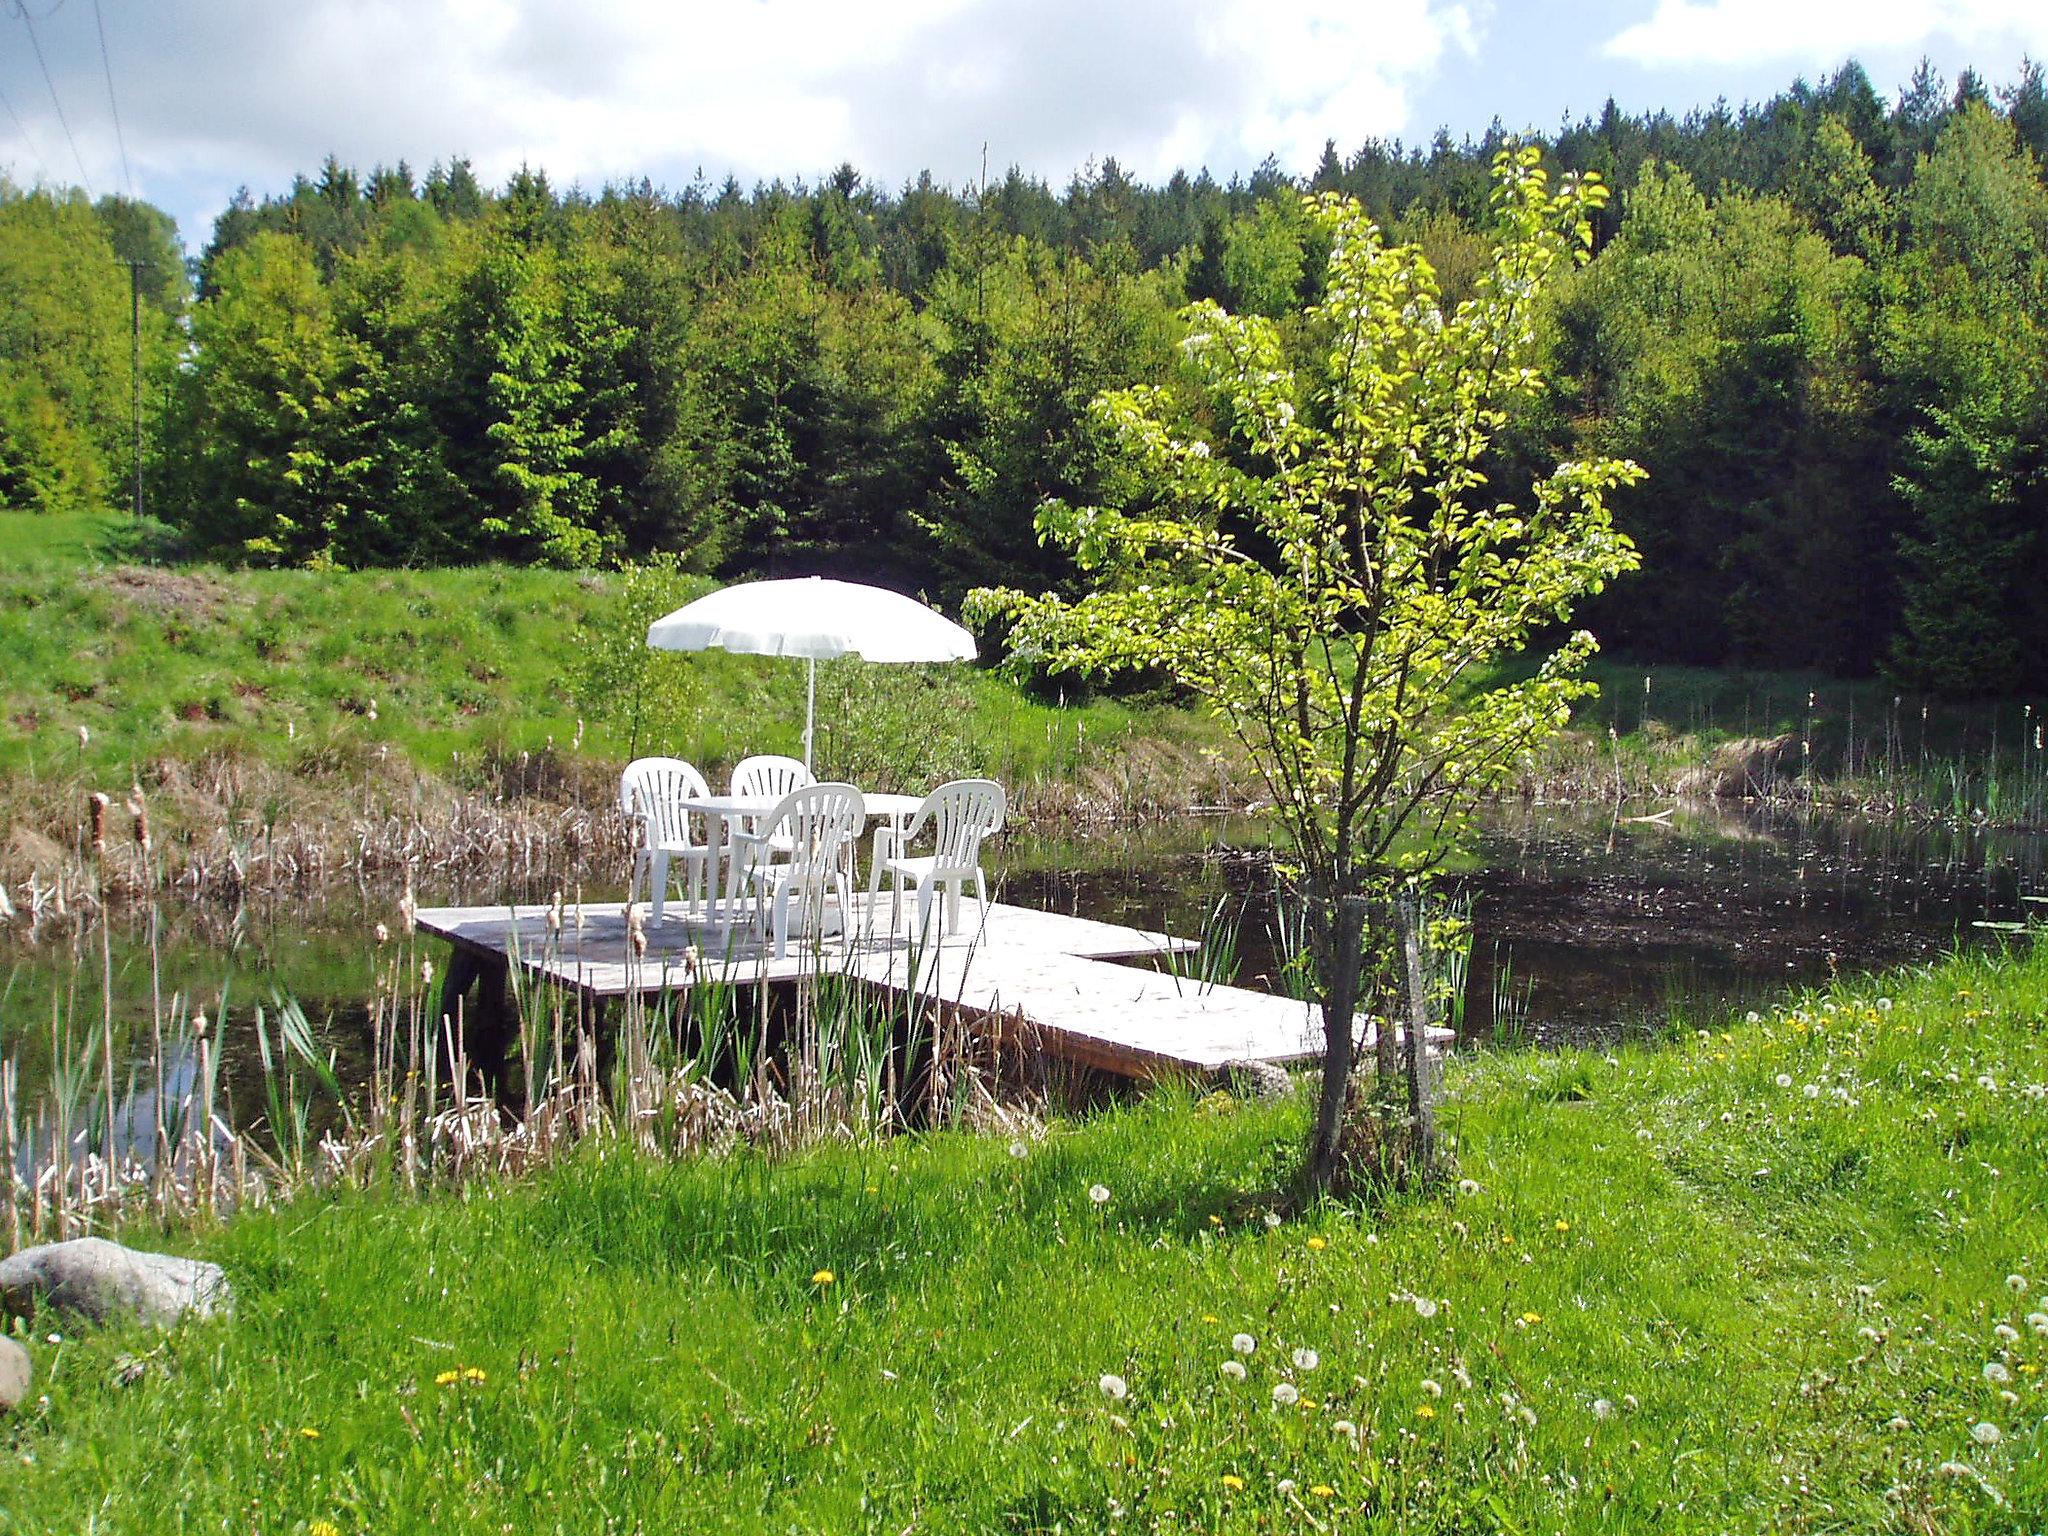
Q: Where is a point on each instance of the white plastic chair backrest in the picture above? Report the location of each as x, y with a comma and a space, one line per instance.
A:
653, 788
818, 822
769, 778
962, 813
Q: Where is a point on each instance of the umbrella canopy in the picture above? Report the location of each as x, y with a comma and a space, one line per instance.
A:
815, 619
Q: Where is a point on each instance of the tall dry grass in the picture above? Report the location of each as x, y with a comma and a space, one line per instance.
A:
125, 1120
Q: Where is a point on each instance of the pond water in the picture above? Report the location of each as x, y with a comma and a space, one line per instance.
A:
1585, 928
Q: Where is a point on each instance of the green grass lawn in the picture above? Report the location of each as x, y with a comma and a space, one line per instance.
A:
1779, 1277
331, 678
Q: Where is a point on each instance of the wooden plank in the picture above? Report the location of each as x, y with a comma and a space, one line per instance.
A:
1050, 968
1128, 1020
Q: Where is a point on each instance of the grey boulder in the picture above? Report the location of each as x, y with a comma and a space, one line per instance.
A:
15, 1375
104, 1281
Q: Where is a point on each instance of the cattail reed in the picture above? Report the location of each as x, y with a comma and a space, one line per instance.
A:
138, 811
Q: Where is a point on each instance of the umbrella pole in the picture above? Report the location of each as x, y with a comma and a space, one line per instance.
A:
810, 709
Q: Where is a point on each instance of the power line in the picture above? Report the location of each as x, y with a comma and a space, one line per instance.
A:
43, 64
42, 165
112, 106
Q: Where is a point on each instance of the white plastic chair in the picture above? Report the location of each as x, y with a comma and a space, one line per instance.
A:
652, 790
814, 828
768, 778
961, 814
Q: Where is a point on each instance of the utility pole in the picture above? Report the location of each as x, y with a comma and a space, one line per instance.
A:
135, 367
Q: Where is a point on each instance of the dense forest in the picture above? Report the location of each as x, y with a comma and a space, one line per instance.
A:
1820, 322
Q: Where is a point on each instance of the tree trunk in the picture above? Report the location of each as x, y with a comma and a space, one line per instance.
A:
1421, 1069
1343, 948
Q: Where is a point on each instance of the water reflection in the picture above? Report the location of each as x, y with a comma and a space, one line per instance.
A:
1585, 926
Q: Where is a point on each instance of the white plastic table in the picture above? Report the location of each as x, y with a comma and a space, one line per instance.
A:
724, 812
721, 884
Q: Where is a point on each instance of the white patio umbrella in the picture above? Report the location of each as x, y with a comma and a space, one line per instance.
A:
816, 619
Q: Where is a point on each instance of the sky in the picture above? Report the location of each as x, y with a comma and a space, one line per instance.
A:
213, 95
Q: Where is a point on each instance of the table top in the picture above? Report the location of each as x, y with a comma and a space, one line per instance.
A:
735, 806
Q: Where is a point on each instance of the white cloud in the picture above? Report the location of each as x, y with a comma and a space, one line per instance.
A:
215, 93
1694, 32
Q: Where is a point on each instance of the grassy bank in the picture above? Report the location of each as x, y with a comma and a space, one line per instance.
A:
1782, 1276
1805, 739
320, 701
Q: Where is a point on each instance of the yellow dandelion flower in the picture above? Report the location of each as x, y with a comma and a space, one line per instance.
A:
1323, 1491
310, 1432
1211, 1317
447, 1378
1215, 1220
474, 1374
1308, 1403
823, 1277
1319, 1243
1233, 1482
1531, 1319
323, 1528
1507, 1239
1563, 1225
1424, 1411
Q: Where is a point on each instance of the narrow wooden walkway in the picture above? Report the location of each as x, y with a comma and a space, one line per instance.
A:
1052, 971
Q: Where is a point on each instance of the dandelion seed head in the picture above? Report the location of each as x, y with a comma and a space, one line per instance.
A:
1286, 1394
1243, 1343
1306, 1359
1996, 1373
1099, 1193
1424, 1307
1602, 1408
1432, 1387
1233, 1369
1986, 1433
2006, 1333
2017, 1284
1114, 1387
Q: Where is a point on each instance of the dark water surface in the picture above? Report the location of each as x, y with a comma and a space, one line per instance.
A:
1585, 928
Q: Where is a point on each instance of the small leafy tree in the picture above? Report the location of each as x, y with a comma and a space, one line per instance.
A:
1334, 577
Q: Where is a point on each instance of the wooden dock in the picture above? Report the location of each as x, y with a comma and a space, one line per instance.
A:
1056, 973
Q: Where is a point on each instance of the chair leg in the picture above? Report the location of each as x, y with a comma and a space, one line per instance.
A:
782, 921
953, 905
924, 909
659, 867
